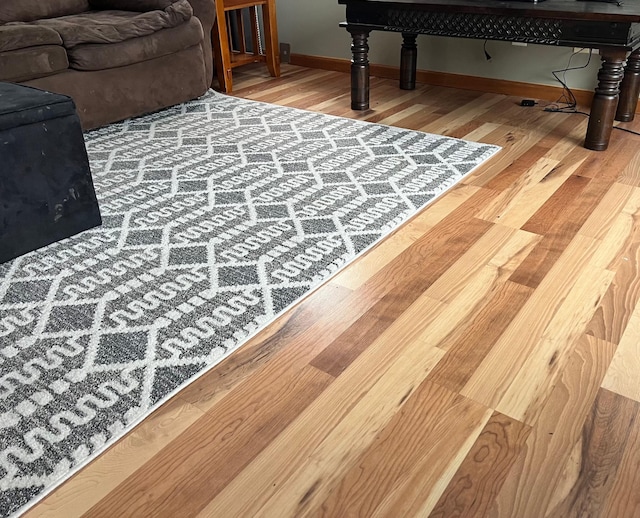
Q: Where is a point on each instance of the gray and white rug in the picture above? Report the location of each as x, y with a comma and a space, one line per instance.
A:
218, 215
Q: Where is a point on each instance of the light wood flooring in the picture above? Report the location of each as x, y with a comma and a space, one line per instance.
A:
484, 360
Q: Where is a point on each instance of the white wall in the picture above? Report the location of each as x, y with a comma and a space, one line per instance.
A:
311, 27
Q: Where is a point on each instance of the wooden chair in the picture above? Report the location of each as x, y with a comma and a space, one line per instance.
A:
226, 56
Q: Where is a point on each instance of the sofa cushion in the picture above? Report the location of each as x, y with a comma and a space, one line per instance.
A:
14, 37
33, 62
96, 56
116, 26
131, 5
28, 10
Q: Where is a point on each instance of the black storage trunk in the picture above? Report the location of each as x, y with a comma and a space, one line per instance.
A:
46, 190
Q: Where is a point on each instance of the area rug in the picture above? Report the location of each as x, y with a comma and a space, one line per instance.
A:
218, 215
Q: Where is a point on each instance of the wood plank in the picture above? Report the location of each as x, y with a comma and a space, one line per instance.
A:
501, 249
480, 477
542, 259
280, 89
517, 169
460, 132
630, 175
495, 374
76, 496
467, 347
335, 358
624, 497
413, 114
560, 138
566, 139
607, 167
546, 217
530, 388
603, 442
181, 479
623, 231
443, 243
612, 316
487, 277
441, 247
421, 446
605, 213
370, 263
462, 114
513, 143
622, 376
214, 385
358, 405
482, 134
527, 490
548, 183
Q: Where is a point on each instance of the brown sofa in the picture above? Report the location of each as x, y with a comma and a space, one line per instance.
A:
115, 58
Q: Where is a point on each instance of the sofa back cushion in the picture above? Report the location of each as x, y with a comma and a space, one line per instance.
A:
131, 5
13, 37
164, 42
29, 10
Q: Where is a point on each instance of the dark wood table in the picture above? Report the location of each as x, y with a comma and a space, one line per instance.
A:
611, 28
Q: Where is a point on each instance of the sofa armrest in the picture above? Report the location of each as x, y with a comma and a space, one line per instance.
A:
205, 11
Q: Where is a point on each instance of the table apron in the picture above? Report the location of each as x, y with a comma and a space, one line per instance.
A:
545, 31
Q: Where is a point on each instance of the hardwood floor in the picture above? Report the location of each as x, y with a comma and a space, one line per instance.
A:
484, 360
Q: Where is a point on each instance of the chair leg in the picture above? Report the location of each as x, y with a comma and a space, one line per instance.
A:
271, 37
222, 51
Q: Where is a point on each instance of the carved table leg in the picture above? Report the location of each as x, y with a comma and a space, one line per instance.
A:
359, 69
629, 88
605, 101
408, 60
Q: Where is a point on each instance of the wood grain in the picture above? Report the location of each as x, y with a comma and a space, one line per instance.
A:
540, 468
419, 444
467, 347
480, 477
613, 314
496, 373
536, 378
103, 476
624, 497
603, 441
622, 376
284, 477
559, 234
182, 479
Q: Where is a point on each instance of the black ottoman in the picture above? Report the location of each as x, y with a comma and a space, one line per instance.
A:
46, 190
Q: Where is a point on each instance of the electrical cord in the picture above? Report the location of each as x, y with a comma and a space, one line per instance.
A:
486, 52
568, 98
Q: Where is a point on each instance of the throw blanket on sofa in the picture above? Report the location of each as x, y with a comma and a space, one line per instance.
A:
112, 26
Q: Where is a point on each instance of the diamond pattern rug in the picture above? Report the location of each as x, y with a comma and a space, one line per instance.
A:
218, 215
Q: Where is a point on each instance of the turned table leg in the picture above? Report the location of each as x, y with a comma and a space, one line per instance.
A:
605, 100
408, 60
629, 88
359, 68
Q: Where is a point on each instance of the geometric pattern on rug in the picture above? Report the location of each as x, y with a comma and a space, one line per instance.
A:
218, 214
